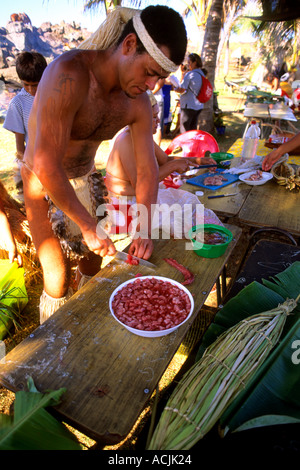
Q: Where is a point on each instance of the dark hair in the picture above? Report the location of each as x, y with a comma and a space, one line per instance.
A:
196, 58
166, 28
30, 66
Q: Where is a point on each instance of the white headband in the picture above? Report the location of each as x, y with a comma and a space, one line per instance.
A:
151, 47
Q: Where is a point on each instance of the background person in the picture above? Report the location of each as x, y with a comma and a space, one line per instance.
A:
190, 107
30, 67
121, 174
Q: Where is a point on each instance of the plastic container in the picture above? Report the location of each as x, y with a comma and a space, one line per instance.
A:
250, 142
221, 158
208, 250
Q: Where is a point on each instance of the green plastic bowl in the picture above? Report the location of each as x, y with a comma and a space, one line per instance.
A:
207, 250
221, 158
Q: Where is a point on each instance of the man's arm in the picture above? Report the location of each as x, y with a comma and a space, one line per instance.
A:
276, 154
58, 99
20, 145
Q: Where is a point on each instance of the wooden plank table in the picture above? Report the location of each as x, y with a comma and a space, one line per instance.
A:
227, 206
268, 205
108, 372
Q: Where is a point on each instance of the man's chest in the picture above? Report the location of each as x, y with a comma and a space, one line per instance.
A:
100, 119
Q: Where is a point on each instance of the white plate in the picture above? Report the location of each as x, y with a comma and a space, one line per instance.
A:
152, 334
265, 177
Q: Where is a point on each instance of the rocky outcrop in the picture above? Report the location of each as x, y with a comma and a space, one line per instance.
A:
50, 40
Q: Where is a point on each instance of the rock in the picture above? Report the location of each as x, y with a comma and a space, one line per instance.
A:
49, 40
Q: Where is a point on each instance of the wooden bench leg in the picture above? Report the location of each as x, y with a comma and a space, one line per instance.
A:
224, 287
219, 296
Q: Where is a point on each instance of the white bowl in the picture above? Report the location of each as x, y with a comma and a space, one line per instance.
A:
155, 333
265, 177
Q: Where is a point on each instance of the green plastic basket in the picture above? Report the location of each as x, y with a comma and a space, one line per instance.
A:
207, 250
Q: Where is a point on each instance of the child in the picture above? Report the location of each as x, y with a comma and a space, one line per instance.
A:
30, 67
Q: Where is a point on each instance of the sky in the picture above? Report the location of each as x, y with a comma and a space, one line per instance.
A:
55, 11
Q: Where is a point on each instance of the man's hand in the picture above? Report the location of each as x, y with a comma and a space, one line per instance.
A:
142, 248
98, 242
14, 255
8, 240
207, 161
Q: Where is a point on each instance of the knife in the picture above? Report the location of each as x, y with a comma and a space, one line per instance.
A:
220, 195
121, 255
212, 165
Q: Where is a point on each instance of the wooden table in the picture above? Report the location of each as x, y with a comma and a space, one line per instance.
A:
108, 372
269, 114
229, 206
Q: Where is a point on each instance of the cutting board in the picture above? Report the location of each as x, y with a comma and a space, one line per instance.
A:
199, 180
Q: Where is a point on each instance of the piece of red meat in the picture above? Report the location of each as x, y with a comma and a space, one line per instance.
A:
188, 275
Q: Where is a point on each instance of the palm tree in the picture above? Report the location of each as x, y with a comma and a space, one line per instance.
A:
108, 4
209, 57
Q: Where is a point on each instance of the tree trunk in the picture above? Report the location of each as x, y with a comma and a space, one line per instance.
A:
209, 58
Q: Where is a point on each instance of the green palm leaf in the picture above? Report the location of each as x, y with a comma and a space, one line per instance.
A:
275, 389
252, 299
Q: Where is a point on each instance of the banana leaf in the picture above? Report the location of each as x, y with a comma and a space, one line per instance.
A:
32, 427
252, 299
275, 388
286, 283
267, 420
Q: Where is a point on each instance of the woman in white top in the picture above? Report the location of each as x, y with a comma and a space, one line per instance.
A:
190, 107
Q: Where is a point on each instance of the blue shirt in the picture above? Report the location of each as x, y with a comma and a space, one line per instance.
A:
192, 82
17, 115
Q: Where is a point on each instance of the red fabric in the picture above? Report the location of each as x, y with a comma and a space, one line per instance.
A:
284, 93
194, 144
169, 183
122, 212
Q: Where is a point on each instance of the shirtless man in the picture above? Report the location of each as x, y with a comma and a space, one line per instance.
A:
85, 97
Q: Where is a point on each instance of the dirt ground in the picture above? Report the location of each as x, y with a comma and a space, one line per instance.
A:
235, 123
